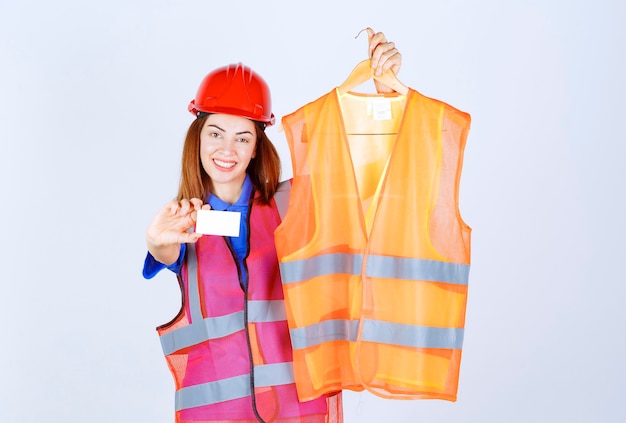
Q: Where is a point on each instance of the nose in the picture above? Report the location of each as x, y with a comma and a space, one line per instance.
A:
228, 147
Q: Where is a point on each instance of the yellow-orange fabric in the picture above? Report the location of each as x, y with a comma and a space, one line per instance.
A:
374, 254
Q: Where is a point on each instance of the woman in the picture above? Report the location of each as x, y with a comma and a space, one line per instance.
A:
229, 347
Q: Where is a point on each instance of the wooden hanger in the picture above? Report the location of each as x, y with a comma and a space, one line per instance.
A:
363, 71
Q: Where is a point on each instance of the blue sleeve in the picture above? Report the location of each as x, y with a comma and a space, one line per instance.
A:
151, 266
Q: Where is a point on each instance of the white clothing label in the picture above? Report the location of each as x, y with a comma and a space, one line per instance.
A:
215, 222
382, 109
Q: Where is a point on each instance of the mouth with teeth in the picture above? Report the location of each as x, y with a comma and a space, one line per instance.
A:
224, 165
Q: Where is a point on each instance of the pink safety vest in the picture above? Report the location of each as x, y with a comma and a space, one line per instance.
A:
229, 348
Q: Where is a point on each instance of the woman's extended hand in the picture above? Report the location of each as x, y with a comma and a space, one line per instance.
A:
384, 55
170, 228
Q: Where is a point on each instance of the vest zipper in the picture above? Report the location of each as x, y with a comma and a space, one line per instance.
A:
246, 285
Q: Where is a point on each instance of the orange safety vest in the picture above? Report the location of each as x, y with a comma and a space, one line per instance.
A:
228, 348
373, 251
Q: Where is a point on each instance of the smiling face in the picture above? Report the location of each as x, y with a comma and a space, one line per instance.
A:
227, 144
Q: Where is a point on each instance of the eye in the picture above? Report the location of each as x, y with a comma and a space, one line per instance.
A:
214, 135
243, 139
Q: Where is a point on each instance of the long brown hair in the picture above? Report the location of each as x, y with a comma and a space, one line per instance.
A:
264, 169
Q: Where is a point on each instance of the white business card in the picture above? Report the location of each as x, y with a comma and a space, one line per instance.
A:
215, 222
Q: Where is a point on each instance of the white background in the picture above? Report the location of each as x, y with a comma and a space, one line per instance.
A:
93, 99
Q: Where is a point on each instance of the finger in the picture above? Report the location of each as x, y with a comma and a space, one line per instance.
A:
377, 45
198, 206
391, 59
170, 208
370, 34
381, 55
374, 41
194, 214
374, 38
185, 205
189, 237
196, 203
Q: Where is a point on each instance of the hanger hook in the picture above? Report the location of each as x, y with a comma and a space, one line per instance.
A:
368, 29
364, 29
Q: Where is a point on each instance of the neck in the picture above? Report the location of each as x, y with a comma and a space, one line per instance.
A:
229, 193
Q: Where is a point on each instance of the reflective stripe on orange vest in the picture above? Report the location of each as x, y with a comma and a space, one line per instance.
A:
377, 331
377, 266
373, 331
373, 253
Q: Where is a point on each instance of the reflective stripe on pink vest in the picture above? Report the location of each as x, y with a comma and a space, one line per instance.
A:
211, 345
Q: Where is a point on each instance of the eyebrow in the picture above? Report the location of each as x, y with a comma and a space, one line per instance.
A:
236, 133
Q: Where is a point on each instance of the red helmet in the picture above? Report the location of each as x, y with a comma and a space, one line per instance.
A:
234, 90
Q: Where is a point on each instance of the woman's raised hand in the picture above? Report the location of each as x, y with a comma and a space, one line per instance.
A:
384, 55
170, 227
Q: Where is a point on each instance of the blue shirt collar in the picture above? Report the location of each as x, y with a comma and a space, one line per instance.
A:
240, 205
